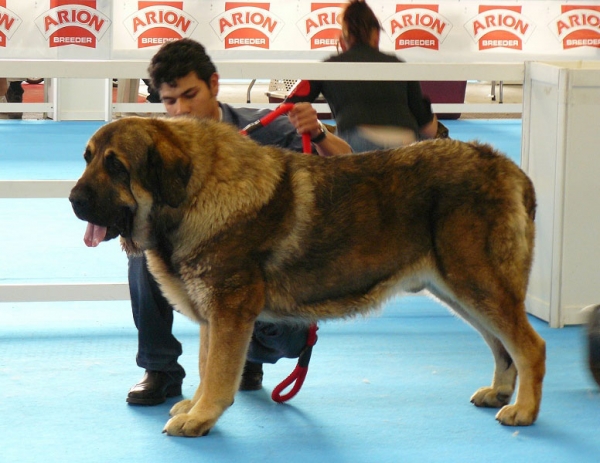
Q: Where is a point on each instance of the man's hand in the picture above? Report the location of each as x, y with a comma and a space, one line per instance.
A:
304, 117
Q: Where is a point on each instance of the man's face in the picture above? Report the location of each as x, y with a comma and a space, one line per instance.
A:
191, 96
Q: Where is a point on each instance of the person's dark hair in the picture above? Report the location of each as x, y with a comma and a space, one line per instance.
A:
360, 21
177, 59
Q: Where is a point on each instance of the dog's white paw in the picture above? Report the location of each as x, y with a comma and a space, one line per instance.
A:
187, 425
183, 406
490, 397
513, 415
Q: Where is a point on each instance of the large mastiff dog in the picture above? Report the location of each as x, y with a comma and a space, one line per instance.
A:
235, 232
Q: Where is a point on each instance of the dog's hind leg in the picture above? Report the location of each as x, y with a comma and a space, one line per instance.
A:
505, 376
518, 351
528, 351
484, 251
505, 372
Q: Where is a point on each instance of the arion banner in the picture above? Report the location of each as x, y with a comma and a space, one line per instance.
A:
442, 31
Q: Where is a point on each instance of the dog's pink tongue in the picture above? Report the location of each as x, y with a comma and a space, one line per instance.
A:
94, 234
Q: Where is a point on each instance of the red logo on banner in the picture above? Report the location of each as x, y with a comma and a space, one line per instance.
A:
417, 26
578, 26
500, 27
247, 24
157, 22
323, 25
73, 22
9, 23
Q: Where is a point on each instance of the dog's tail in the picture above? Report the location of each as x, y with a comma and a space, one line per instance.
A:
529, 199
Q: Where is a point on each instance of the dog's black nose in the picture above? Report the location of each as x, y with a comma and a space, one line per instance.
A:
79, 201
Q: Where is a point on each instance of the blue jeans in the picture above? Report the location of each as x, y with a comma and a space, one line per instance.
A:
360, 143
158, 349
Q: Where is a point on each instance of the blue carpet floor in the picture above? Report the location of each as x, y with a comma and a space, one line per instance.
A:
393, 387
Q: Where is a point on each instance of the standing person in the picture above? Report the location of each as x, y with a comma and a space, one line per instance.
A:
372, 114
188, 84
11, 91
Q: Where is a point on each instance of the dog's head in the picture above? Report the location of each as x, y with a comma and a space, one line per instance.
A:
133, 166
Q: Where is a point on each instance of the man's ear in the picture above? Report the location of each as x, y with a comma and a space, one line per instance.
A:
168, 173
214, 84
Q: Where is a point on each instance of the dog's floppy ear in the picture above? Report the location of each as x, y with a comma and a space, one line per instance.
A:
168, 172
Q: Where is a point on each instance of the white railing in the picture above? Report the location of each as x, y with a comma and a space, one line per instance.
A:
227, 70
114, 69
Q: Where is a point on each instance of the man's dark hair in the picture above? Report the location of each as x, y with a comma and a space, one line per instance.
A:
177, 59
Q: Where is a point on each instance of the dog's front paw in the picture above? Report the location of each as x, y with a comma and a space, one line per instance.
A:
490, 397
513, 415
180, 407
187, 425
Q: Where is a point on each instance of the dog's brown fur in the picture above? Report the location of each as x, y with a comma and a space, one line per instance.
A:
234, 231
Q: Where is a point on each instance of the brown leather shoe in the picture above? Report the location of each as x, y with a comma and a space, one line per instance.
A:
154, 388
252, 377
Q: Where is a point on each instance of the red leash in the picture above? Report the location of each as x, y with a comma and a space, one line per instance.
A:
265, 120
299, 374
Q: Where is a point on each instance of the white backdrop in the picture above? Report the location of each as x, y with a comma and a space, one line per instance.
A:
442, 31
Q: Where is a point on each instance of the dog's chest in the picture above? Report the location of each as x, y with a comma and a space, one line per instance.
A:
191, 300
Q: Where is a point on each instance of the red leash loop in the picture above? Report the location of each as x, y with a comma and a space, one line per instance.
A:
297, 376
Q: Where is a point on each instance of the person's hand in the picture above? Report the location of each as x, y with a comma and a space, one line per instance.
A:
304, 117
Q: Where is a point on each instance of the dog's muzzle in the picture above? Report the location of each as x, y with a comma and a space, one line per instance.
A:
87, 207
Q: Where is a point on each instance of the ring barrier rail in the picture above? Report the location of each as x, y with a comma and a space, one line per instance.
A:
273, 69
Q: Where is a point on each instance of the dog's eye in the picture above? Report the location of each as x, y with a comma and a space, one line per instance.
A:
87, 156
114, 166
